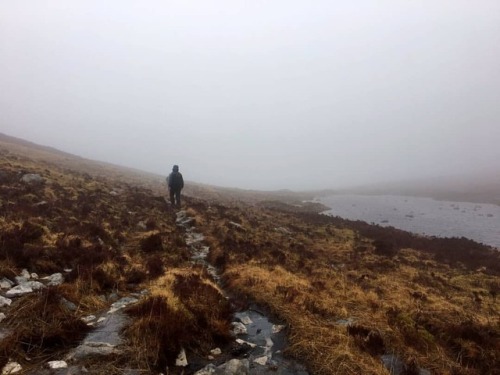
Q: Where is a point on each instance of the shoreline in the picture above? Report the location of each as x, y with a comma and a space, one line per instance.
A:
404, 218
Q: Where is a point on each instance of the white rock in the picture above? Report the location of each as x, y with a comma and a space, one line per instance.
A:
35, 285
25, 274
6, 283
239, 328
21, 280
181, 360
2, 317
193, 237
261, 360
32, 178
67, 270
241, 342
123, 302
237, 367
34, 275
54, 279
100, 320
216, 351
19, 290
57, 364
237, 226
88, 319
246, 320
207, 370
5, 301
277, 328
11, 368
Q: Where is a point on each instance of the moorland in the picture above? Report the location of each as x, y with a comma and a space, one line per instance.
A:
347, 292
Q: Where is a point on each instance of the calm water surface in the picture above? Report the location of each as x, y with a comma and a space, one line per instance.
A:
480, 222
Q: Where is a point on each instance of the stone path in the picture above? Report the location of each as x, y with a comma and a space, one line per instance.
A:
259, 343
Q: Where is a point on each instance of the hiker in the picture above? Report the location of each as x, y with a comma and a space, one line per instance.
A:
175, 185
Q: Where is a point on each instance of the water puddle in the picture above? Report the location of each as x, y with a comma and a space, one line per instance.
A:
259, 341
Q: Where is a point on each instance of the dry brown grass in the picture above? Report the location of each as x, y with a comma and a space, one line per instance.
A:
42, 327
429, 301
403, 301
184, 305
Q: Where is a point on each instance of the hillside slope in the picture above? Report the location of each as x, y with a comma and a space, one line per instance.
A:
350, 294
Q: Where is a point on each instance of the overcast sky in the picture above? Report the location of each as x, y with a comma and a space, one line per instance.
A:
258, 94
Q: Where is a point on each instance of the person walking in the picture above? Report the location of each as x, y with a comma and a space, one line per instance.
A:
175, 185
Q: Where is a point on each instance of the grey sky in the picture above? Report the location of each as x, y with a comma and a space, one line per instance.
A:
258, 94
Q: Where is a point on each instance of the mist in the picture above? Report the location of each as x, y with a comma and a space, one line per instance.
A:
261, 94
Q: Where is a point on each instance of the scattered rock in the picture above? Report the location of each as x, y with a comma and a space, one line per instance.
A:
277, 328
103, 340
5, 301
2, 317
19, 290
68, 304
32, 179
88, 319
11, 368
237, 367
6, 283
57, 364
35, 285
193, 237
21, 280
141, 225
181, 360
92, 349
25, 274
122, 303
54, 279
239, 328
243, 342
283, 230
237, 226
246, 320
261, 360
207, 370
216, 351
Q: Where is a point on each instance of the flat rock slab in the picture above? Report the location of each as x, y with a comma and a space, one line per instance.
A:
102, 341
108, 331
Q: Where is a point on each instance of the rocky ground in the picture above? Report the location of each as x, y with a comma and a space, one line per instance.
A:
98, 274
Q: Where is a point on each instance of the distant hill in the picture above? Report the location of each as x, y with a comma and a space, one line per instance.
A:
155, 182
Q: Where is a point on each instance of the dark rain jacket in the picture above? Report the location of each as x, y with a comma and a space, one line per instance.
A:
175, 181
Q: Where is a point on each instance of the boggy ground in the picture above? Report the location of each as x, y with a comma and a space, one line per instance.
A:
351, 292
109, 238
348, 292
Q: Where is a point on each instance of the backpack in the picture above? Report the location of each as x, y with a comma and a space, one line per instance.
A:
175, 180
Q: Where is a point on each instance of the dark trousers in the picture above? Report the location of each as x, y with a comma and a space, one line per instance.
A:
175, 197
